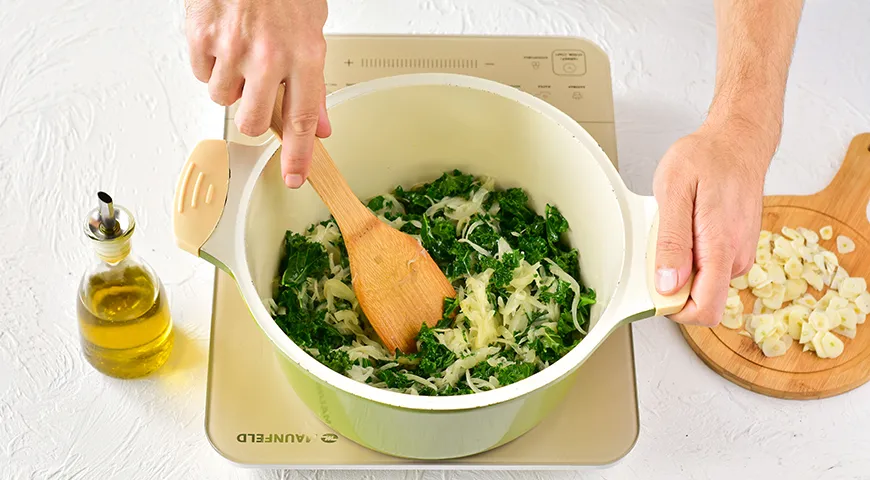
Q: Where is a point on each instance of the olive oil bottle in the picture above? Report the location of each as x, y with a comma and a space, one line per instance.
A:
123, 313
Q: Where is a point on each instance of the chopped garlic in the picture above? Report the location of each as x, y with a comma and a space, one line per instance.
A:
794, 288
845, 244
826, 232
756, 276
790, 234
783, 310
734, 305
793, 268
846, 332
732, 321
773, 347
852, 287
740, 283
810, 236
820, 321
757, 306
862, 301
848, 318
775, 273
763, 292
832, 345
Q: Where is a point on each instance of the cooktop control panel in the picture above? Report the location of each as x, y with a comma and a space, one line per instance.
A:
570, 73
575, 80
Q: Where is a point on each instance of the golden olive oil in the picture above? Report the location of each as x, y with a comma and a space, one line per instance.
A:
123, 313
126, 329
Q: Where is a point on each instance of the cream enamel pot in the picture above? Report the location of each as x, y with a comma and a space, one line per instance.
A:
232, 209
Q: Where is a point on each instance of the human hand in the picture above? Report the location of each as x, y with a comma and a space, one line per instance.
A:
244, 49
709, 186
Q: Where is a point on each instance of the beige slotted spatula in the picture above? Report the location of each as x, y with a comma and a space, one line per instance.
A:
398, 285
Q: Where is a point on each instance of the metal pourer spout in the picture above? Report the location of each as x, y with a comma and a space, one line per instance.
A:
108, 223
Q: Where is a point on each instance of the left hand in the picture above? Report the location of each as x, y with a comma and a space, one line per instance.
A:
709, 187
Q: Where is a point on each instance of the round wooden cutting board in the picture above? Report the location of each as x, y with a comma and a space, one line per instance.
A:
798, 374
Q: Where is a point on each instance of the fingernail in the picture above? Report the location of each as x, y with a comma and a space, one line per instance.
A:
666, 279
293, 180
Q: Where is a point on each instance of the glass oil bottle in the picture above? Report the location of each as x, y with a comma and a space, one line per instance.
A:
123, 313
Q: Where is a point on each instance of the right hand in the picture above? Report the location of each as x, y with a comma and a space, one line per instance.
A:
246, 49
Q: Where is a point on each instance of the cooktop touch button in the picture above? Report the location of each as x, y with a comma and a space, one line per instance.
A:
569, 62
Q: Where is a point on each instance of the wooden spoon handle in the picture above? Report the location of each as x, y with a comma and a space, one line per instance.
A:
849, 191
350, 214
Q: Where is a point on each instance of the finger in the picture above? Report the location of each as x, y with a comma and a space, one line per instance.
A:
301, 114
709, 290
749, 245
675, 237
202, 64
199, 41
324, 128
225, 84
255, 109
743, 261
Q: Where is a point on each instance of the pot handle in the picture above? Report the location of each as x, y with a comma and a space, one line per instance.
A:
201, 194
664, 304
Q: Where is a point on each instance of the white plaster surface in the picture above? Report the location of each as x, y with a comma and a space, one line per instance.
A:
98, 94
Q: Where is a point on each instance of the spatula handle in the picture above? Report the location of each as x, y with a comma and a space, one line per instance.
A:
350, 214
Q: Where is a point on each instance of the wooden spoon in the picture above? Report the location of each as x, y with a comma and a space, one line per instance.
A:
398, 285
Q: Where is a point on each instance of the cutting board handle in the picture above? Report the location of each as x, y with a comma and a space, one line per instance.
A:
849, 192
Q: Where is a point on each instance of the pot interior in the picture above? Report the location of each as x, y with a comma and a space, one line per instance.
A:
413, 134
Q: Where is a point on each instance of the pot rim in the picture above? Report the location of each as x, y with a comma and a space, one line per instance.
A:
549, 375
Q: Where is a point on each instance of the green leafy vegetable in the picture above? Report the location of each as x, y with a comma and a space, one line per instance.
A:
438, 236
304, 259
503, 270
556, 225
484, 235
433, 355
395, 379
376, 203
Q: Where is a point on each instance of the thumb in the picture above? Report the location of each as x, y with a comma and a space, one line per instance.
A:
675, 238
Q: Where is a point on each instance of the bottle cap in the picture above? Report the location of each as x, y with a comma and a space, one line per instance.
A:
110, 226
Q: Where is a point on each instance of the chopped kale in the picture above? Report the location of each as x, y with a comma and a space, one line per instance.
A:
395, 379
483, 235
462, 262
420, 198
451, 308
438, 236
304, 260
567, 261
561, 294
376, 203
514, 373
505, 374
514, 205
556, 225
534, 248
550, 346
503, 270
483, 370
337, 360
433, 356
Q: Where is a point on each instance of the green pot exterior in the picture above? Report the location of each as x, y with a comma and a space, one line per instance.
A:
418, 434
421, 434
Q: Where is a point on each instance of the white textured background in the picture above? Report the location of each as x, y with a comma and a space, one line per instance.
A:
98, 94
